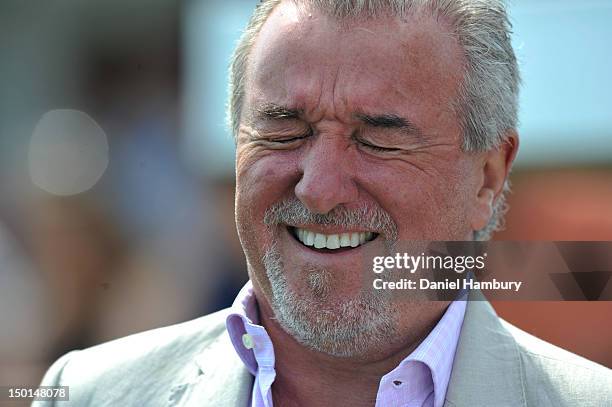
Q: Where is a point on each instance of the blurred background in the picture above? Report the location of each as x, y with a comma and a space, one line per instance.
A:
116, 168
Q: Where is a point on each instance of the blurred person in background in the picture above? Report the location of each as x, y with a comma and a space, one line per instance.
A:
330, 120
79, 250
132, 250
25, 329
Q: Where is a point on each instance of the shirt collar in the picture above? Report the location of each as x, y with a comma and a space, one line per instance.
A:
243, 327
436, 351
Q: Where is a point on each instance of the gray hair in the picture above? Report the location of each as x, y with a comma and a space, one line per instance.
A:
487, 102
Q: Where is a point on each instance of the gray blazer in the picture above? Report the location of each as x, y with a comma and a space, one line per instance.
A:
194, 364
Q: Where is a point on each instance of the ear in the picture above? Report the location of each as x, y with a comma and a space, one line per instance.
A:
495, 169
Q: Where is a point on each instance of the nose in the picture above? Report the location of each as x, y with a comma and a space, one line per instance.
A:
327, 177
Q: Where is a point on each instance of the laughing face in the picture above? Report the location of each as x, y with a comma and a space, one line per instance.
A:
349, 142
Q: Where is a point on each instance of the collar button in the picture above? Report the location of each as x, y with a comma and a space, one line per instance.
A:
247, 341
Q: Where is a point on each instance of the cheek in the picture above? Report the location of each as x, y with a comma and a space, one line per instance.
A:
262, 179
426, 205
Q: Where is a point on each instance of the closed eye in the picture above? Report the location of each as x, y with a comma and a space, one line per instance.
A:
289, 140
376, 148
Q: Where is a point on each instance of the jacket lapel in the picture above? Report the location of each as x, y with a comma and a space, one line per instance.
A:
221, 379
487, 367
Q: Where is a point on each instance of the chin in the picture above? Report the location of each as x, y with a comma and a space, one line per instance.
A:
324, 320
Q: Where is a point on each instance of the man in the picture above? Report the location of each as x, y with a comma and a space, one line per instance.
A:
360, 126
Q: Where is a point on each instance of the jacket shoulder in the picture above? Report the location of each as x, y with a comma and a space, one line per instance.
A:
556, 377
140, 368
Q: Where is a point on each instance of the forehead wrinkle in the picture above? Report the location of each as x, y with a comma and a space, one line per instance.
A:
338, 101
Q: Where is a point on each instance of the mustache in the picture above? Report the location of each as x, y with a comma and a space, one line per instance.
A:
369, 217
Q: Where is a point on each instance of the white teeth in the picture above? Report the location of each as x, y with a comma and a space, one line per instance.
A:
309, 238
345, 240
354, 239
332, 241
320, 241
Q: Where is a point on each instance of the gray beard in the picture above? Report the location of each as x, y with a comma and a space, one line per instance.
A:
352, 328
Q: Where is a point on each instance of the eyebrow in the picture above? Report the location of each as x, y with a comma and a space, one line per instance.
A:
390, 121
272, 111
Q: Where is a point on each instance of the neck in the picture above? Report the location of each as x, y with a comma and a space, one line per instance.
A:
306, 377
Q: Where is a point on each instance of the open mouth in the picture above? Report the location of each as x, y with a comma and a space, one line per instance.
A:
333, 241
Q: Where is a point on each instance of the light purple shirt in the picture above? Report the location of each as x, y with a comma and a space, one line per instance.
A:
421, 379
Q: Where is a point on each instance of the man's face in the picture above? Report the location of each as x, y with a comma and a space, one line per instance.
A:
348, 133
